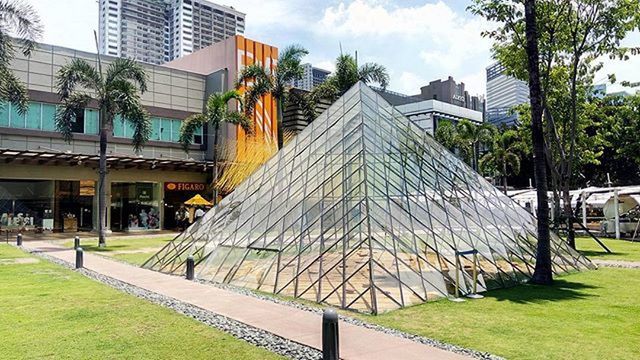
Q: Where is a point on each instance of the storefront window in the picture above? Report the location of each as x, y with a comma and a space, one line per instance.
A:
26, 204
135, 206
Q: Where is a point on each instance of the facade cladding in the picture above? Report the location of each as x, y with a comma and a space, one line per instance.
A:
311, 77
49, 184
503, 93
157, 31
450, 92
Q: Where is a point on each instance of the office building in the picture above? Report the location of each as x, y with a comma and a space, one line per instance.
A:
438, 101
49, 184
450, 92
504, 92
158, 31
311, 78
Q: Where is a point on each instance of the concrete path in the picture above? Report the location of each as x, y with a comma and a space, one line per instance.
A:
617, 263
301, 326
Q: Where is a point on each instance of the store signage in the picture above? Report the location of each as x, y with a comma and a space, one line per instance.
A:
184, 186
458, 97
144, 191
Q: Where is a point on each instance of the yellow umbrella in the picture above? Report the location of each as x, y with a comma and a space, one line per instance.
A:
198, 201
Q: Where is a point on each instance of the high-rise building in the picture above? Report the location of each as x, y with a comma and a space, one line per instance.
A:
158, 31
503, 93
311, 78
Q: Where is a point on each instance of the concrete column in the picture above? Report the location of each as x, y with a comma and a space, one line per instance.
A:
617, 217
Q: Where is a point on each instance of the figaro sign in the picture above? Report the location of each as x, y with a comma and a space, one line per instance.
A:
184, 186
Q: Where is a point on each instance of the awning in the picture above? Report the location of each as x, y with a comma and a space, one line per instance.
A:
37, 157
198, 200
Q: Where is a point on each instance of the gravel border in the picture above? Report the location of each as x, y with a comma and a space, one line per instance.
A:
250, 334
623, 264
255, 336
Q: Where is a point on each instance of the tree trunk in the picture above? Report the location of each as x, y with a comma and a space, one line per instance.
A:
102, 175
568, 213
279, 124
216, 128
542, 273
504, 176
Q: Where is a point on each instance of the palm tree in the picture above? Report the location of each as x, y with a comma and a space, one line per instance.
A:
216, 112
470, 137
542, 273
347, 74
117, 92
265, 81
501, 159
447, 135
22, 20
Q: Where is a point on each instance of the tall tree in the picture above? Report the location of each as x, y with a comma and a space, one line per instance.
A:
117, 92
502, 158
471, 136
216, 112
275, 82
21, 20
543, 273
573, 36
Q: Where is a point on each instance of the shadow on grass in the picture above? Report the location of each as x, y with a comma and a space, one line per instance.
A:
108, 248
561, 290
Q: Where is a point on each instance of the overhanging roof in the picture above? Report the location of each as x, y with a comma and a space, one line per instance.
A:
36, 157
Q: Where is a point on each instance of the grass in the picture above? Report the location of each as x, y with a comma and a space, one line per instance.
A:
132, 250
47, 311
586, 315
621, 249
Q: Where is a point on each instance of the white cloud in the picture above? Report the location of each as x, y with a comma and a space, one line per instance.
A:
409, 83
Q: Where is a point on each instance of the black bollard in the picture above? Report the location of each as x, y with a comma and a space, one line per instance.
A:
191, 265
79, 258
330, 342
19, 239
76, 242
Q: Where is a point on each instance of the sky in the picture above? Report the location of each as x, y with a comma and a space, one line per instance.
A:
416, 40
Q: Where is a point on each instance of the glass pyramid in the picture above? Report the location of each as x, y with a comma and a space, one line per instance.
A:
363, 210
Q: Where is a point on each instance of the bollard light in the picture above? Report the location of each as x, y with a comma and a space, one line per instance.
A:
79, 258
330, 336
19, 239
191, 265
76, 242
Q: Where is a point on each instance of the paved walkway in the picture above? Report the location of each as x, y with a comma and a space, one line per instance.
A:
617, 263
301, 326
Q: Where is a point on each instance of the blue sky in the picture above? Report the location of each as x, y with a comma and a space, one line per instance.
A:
417, 40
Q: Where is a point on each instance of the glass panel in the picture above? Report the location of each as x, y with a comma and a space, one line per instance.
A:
4, 113
155, 125
33, 116
128, 129
48, 117
17, 120
165, 130
175, 130
91, 122
118, 126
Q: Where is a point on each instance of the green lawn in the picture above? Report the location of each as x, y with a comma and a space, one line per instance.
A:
621, 249
47, 311
132, 250
586, 315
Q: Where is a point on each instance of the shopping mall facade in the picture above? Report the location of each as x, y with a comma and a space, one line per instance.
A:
49, 184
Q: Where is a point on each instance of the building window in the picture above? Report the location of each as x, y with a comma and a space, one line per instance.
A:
135, 206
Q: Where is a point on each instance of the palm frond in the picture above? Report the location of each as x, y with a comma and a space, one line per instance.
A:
251, 97
77, 72
22, 20
66, 114
251, 73
13, 90
372, 72
127, 70
139, 118
238, 118
289, 68
188, 129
